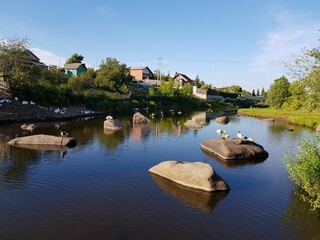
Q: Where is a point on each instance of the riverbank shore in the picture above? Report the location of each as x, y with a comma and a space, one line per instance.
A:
303, 118
14, 111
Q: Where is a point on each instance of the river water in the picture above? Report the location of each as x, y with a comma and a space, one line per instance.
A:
101, 189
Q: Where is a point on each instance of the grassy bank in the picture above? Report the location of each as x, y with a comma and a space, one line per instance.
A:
304, 118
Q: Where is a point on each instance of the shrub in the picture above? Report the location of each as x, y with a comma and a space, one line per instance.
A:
304, 169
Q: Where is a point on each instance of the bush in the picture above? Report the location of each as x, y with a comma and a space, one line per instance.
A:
304, 169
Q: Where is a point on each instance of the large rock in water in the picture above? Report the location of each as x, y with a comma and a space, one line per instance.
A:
223, 120
112, 124
234, 148
139, 118
196, 175
44, 140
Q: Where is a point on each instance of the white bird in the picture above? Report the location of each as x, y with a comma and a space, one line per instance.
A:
224, 135
109, 117
219, 131
240, 135
63, 133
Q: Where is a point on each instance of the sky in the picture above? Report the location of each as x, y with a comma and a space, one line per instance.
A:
231, 42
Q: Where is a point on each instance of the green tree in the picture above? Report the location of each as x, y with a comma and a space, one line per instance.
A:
297, 96
235, 89
263, 93
278, 92
112, 75
75, 58
168, 88
186, 90
15, 65
306, 69
253, 92
258, 92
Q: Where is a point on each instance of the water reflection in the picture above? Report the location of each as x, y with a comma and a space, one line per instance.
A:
203, 201
234, 163
300, 213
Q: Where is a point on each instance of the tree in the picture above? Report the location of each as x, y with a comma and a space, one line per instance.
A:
258, 92
253, 92
167, 88
75, 58
186, 90
279, 92
112, 75
263, 93
14, 64
306, 69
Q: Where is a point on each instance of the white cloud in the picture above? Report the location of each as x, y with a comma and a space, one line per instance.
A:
49, 58
292, 33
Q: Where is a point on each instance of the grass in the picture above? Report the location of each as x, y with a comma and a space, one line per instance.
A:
300, 117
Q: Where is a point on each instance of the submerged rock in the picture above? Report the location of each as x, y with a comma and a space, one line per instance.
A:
192, 124
44, 140
112, 124
196, 175
234, 148
139, 118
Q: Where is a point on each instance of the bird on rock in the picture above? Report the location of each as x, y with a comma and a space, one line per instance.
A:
240, 135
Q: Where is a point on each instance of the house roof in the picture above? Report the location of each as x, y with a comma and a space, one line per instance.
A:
185, 77
141, 68
73, 66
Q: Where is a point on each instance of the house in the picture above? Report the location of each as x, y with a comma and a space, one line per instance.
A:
141, 73
74, 69
31, 58
182, 79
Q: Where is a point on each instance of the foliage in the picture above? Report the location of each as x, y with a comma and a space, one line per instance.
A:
75, 58
306, 70
186, 90
168, 88
112, 75
278, 92
304, 169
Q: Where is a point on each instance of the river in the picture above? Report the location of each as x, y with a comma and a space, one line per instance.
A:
101, 189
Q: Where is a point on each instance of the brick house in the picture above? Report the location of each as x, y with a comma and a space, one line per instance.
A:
141, 73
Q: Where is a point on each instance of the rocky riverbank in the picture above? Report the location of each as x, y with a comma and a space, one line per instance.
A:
12, 111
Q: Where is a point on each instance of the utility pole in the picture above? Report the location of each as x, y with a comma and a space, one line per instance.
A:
159, 69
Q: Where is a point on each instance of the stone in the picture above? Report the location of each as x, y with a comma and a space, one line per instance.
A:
44, 140
195, 175
223, 120
140, 118
234, 148
112, 124
192, 125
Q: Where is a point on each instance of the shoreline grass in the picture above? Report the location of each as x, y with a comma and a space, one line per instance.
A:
304, 118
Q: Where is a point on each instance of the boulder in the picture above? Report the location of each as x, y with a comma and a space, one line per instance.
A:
28, 126
192, 125
112, 124
195, 175
44, 140
223, 120
234, 148
139, 118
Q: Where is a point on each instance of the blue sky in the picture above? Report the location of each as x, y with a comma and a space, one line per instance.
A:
230, 42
